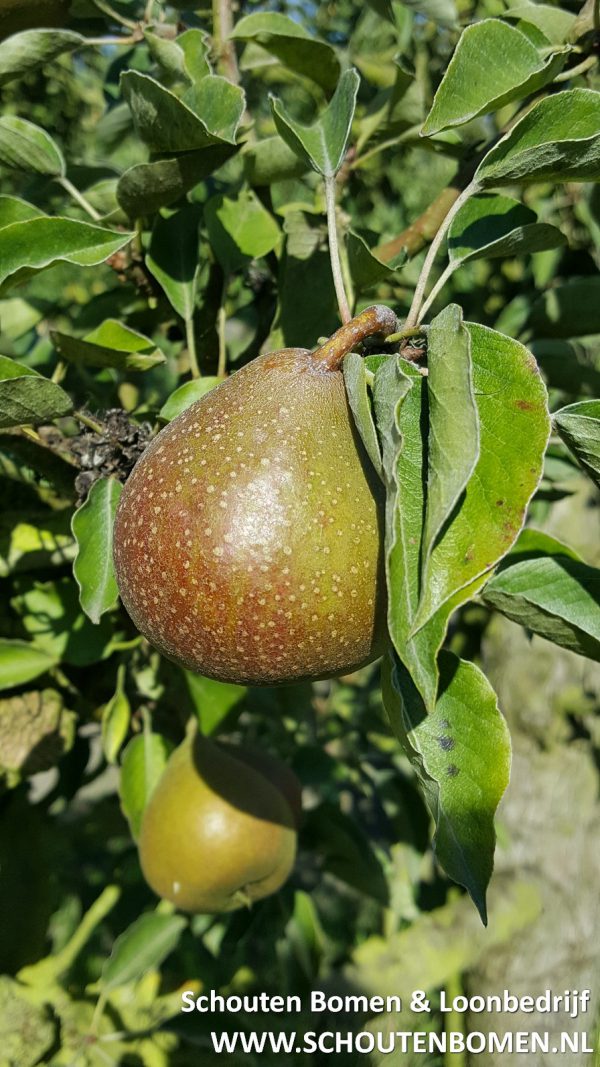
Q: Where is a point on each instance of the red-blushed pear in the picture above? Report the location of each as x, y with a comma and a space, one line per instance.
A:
216, 834
248, 540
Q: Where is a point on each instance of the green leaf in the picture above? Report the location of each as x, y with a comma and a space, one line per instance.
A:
494, 63
167, 124
169, 56
20, 662
51, 615
29, 541
323, 144
173, 257
219, 104
240, 229
453, 439
461, 756
365, 268
146, 187
13, 209
116, 717
10, 368
34, 48
141, 948
272, 160
28, 399
111, 345
554, 22
532, 543
93, 569
440, 11
185, 395
144, 760
514, 425
39, 243
514, 428
18, 317
184, 60
487, 226
557, 140
27, 147
553, 596
212, 700
195, 45
569, 310
292, 45
579, 426
356, 382
347, 852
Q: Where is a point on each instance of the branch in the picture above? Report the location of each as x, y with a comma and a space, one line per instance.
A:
224, 48
422, 230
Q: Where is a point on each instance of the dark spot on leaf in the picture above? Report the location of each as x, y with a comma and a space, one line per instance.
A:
446, 743
499, 503
524, 405
453, 771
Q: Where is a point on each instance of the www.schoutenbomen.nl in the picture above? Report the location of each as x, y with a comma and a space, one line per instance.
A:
331, 1042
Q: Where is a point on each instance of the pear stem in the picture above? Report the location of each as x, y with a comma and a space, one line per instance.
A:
375, 319
334, 251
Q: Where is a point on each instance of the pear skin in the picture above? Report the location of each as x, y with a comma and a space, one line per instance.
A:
216, 834
275, 771
248, 539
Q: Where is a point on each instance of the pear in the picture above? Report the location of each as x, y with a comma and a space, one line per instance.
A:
216, 834
275, 771
248, 537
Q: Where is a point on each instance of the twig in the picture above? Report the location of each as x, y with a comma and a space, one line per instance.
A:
406, 135
415, 308
437, 288
28, 431
59, 372
91, 424
404, 335
190, 337
114, 15
334, 251
572, 72
133, 38
79, 198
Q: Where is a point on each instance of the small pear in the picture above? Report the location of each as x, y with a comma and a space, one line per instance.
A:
216, 834
248, 538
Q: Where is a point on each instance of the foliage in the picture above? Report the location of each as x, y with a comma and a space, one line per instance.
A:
177, 199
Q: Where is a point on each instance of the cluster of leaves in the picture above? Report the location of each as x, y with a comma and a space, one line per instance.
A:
207, 210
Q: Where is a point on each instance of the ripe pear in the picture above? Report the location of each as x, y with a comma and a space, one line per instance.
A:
216, 834
248, 543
